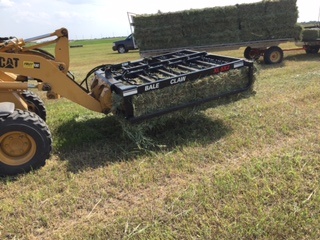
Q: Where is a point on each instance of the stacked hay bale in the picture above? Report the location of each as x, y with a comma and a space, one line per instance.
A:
310, 34
269, 19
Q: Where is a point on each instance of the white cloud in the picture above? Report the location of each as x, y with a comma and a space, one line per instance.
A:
6, 3
22, 17
77, 2
66, 15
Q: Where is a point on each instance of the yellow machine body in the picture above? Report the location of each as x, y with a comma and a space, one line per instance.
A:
18, 62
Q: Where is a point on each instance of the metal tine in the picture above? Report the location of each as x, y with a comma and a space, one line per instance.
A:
206, 63
169, 65
166, 73
171, 69
145, 79
187, 68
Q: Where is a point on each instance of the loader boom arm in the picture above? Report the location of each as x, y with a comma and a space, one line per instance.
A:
19, 58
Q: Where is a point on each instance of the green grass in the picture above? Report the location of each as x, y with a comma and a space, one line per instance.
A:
246, 170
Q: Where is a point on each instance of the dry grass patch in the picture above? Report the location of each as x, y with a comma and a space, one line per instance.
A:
248, 169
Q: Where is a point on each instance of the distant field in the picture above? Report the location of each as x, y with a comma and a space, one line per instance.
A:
246, 170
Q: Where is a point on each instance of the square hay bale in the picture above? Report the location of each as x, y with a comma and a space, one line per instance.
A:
251, 11
311, 34
187, 92
211, 20
282, 6
298, 29
190, 28
268, 20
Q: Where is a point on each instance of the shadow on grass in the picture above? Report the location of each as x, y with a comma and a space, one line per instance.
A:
304, 57
99, 142
130, 52
299, 57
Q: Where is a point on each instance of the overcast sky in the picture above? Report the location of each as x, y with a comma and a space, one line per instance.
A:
86, 19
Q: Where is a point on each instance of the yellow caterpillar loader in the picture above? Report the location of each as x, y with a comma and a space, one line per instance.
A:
25, 139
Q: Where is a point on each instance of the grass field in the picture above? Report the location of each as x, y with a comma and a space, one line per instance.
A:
246, 170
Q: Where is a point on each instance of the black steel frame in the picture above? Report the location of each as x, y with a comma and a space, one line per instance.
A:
191, 65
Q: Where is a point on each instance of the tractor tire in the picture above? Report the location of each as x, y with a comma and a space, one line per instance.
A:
273, 55
35, 104
25, 143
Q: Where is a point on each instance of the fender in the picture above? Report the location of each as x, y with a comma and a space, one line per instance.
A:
6, 108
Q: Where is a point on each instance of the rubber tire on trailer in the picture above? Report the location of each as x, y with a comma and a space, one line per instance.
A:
312, 49
273, 55
251, 54
25, 143
247, 52
35, 104
122, 49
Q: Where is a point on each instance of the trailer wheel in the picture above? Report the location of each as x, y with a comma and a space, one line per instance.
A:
247, 53
25, 142
273, 55
35, 104
312, 49
252, 53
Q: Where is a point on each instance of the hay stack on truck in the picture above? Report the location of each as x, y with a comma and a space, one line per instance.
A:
258, 27
134, 91
309, 38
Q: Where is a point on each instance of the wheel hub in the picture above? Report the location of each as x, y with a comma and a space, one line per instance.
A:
16, 148
275, 56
